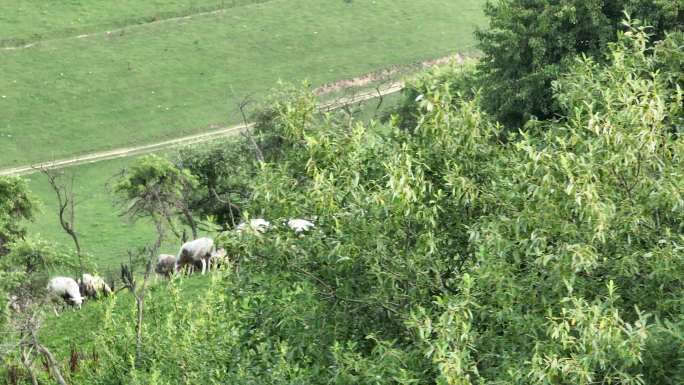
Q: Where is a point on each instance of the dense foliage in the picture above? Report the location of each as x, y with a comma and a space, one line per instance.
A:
17, 204
530, 43
223, 181
154, 187
447, 249
453, 252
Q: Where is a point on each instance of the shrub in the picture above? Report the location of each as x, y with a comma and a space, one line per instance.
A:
16, 204
529, 44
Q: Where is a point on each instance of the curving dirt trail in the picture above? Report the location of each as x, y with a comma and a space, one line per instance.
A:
203, 137
340, 85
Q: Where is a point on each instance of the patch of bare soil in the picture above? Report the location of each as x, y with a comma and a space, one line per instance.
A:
384, 74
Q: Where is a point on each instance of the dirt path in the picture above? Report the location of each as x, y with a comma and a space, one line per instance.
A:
381, 76
197, 138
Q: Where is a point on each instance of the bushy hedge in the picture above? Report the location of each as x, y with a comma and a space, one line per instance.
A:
453, 252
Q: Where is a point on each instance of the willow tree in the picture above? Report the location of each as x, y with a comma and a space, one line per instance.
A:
154, 187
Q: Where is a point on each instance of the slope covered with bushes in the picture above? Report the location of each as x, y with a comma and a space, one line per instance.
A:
447, 251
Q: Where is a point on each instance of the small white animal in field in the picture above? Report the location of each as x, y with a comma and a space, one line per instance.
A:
14, 303
219, 258
166, 265
191, 252
93, 286
258, 225
300, 225
66, 288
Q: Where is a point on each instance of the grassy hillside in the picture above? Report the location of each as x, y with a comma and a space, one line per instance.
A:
163, 80
103, 233
61, 335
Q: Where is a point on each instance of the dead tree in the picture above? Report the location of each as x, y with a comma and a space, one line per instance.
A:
66, 204
242, 105
26, 322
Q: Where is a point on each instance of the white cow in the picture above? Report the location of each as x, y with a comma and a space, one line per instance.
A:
66, 288
300, 225
195, 251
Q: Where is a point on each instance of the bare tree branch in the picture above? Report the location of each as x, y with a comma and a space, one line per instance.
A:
65, 201
229, 203
27, 361
52, 362
242, 105
381, 98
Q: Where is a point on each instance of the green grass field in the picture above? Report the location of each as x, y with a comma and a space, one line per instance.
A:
103, 233
157, 81
32, 20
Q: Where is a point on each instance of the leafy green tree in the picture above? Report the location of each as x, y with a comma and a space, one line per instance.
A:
153, 187
282, 121
16, 204
156, 188
222, 172
530, 43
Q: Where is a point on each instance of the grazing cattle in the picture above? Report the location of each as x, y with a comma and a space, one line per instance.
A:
195, 251
300, 225
67, 288
92, 286
166, 265
258, 225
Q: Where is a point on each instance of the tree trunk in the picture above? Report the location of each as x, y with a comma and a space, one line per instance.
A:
140, 302
191, 221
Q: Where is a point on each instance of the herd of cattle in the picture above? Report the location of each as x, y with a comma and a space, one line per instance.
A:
200, 252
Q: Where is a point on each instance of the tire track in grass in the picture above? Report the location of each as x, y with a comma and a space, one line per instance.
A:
126, 27
190, 139
340, 85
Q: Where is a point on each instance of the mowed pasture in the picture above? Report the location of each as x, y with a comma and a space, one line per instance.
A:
103, 233
26, 21
149, 82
